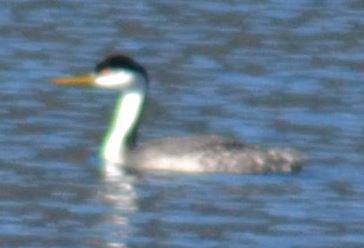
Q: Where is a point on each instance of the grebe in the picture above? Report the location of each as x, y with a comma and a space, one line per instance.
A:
204, 153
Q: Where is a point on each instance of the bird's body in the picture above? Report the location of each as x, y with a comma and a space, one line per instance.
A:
195, 154
210, 153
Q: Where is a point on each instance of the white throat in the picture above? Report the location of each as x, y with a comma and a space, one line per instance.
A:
126, 116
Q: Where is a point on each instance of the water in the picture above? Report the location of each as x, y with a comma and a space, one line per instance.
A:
271, 72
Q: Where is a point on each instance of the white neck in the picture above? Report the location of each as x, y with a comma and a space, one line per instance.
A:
128, 110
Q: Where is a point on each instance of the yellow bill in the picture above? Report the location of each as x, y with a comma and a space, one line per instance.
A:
75, 80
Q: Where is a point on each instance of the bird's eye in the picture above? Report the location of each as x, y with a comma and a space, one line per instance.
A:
105, 71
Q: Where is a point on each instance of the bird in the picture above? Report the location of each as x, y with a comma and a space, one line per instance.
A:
206, 153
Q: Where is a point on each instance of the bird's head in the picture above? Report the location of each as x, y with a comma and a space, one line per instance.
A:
118, 72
